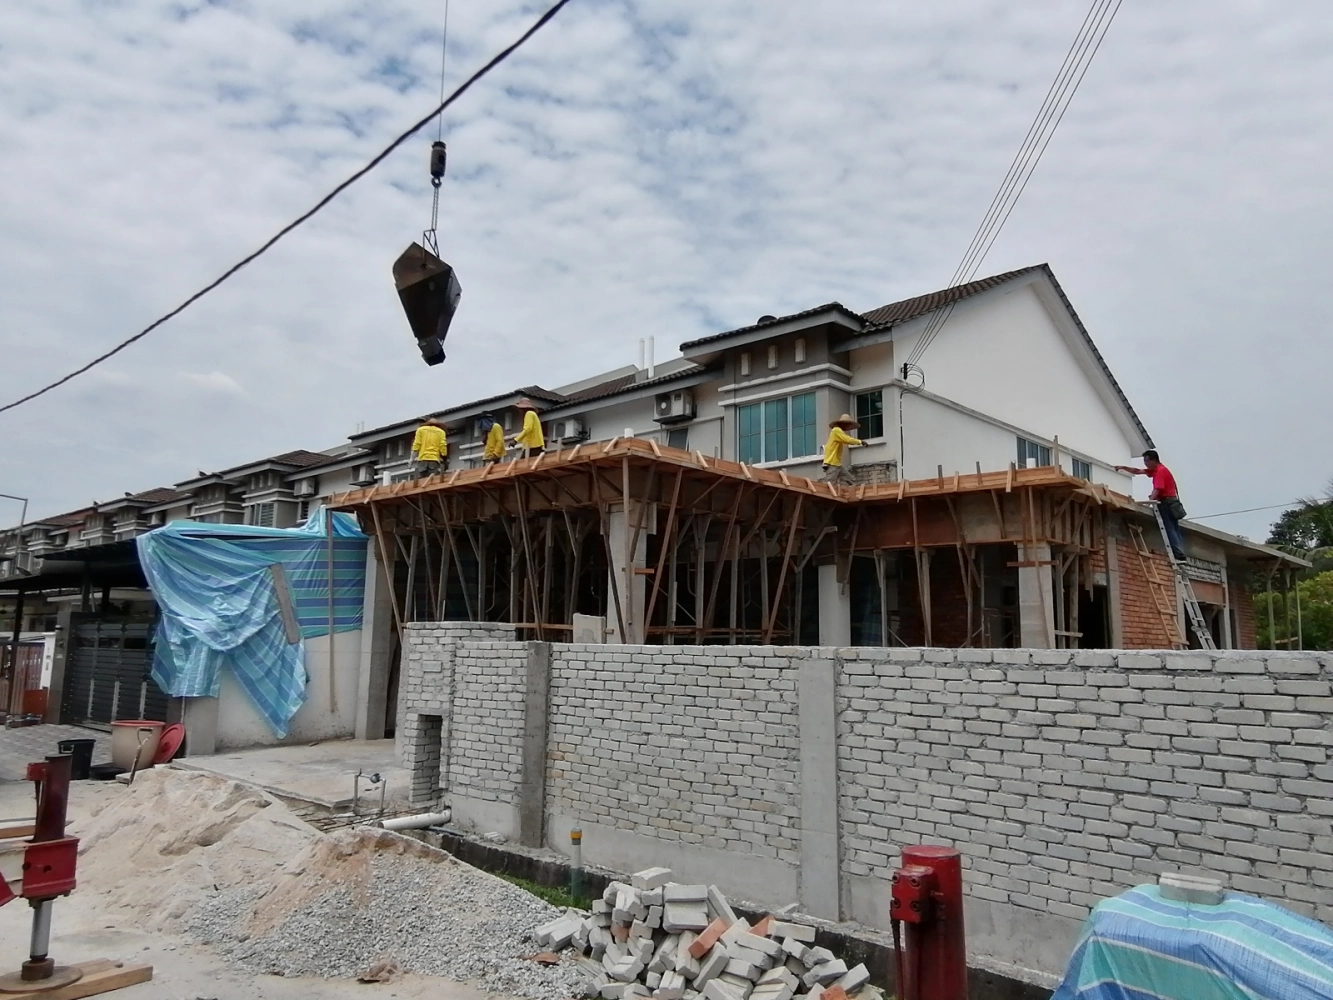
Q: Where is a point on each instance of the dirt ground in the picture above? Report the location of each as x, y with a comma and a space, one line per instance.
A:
84, 928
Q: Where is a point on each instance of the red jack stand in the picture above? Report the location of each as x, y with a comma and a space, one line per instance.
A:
49, 862
928, 899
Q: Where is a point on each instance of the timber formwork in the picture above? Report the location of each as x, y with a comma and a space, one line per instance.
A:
730, 546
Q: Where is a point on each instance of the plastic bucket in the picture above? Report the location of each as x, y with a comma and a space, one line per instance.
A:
125, 738
82, 752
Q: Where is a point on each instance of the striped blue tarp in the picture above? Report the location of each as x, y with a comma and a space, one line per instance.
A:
1139, 946
220, 607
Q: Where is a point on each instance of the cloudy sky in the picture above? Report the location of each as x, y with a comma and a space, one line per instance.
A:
642, 168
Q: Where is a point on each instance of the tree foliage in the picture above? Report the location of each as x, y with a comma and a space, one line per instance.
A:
1316, 615
1306, 530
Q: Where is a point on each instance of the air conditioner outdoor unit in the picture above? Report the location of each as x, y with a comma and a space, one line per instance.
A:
673, 407
364, 475
569, 429
304, 488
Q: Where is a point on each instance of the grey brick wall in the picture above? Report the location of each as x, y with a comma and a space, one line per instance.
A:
698, 745
1066, 777
1063, 776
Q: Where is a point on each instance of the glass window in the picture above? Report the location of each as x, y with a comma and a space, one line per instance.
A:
804, 439
749, 428
870, 413
679, 438
775, 430
1031, 450
1082, 470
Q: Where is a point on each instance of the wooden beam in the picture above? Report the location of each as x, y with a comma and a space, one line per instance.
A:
388, 569
663, 546
782, 574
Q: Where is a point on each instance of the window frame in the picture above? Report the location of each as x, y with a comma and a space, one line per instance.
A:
1028, 448
866, 420
1080, 469
758, 443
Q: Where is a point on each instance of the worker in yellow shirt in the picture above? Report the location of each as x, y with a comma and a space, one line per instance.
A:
429, 447
836, 466
530, 438
494, 449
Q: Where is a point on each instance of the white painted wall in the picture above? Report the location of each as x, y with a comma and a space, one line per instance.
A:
239, 724
1004, 354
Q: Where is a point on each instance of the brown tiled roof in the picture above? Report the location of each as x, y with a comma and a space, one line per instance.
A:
67, 520
161, 494
907, 309
826, 307
300, 458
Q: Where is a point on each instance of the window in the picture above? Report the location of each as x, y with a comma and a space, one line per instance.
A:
679, 438
745, 362
798, 353
772, 355
260, 515
302, 512
776, 429
1039, 453
804, 440
870, 413
1082, 470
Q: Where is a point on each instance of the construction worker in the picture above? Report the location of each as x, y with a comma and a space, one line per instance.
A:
836, 466
530, 438
494, 449
1165, 495
429, 447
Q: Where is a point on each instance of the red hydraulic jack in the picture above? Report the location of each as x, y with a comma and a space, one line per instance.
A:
931, 959
48, 872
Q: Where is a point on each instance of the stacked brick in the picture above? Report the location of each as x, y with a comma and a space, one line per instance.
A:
659, 940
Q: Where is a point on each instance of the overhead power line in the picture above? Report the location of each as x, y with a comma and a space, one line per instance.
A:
300, 220
1081, 52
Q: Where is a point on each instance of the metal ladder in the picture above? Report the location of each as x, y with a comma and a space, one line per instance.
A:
1200, 627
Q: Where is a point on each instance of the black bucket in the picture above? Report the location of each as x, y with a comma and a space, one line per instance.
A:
82, 752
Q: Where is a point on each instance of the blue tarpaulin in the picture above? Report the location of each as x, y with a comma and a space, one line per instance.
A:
220, 606
1139, 946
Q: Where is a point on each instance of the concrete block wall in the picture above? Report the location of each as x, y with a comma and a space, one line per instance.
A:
795, 774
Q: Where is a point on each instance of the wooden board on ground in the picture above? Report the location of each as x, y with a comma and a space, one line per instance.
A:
19, 829
99, 976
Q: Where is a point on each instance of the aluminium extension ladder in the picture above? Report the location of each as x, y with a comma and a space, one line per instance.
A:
1164, 599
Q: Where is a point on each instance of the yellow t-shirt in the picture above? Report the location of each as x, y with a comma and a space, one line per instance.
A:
835, 449
531, 435
429, 444
495, 443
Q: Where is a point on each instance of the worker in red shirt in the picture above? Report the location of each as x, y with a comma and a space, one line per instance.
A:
1165, 495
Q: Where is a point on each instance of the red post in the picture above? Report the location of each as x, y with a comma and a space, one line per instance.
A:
928, 899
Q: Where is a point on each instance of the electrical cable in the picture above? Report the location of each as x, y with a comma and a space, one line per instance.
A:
300, 220
1247, 510
1061, 93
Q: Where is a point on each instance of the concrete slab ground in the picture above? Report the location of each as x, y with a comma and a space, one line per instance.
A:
83, 930
24, 744
320, 773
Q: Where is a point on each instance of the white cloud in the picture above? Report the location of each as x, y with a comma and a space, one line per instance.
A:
645, 169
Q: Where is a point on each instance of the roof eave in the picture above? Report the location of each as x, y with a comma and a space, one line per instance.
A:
708, 349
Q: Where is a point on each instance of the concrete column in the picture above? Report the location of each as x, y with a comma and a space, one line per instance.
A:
1036, 597
64, 643
199, 716
835, 609
631, 586
817, 712
532, 781
377, 638
1113, 593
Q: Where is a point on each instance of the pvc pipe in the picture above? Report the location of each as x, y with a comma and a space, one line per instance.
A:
418, 821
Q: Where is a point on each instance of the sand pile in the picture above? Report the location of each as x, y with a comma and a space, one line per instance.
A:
231, 867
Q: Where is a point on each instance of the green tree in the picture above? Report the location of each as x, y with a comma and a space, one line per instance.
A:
1306, 530
1316, 615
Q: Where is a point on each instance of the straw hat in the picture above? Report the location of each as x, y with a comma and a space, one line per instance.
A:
431, 421
846, 420
525, 404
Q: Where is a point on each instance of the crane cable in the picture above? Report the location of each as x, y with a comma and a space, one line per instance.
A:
304, 217
1082, 51
430, 238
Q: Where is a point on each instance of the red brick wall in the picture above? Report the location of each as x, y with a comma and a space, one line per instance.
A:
1140, 621
1242, 606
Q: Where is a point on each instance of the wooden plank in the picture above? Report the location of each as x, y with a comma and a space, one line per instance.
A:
101, 976
21, 830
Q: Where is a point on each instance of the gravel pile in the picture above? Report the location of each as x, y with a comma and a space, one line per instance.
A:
234, 869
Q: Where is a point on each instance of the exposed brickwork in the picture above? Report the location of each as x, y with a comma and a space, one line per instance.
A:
1068, 776
1141, 622
692, 744
1242, 603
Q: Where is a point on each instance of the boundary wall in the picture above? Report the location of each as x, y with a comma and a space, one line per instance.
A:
795, 774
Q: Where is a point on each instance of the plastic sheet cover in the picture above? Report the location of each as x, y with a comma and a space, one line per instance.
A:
1139, 946
220, 607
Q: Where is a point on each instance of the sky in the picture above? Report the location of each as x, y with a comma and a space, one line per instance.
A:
666, 169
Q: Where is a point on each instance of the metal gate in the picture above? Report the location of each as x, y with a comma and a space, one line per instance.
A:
106, 678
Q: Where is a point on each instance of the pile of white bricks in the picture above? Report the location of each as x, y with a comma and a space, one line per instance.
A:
657, 939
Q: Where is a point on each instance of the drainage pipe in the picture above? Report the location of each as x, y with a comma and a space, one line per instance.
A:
418, 821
